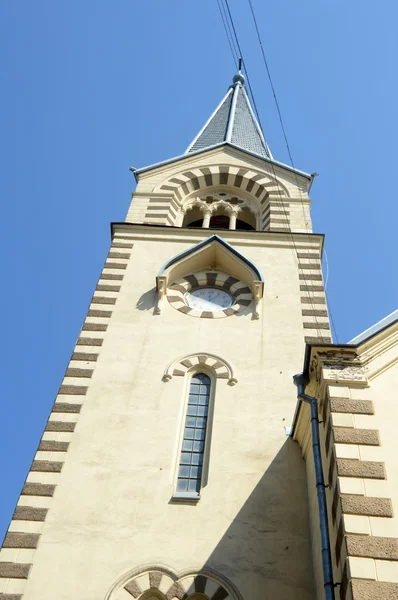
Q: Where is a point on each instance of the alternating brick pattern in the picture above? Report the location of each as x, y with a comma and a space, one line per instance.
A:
313, 299
275, 215
161, 581
240, 292
260, 185
162, 211
23, 535
183, 365
355, 512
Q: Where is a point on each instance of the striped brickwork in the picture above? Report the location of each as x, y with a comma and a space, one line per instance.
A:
313, 298
23, 535
364, 554
275, 215
239, 291
219, 366
165, 211
160, 582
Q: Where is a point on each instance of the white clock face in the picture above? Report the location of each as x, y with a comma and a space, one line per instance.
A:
210, 299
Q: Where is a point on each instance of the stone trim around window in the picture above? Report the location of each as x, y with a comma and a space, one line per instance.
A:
181, 366
168, 585
239, 290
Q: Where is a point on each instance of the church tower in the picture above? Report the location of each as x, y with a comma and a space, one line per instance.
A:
165, 470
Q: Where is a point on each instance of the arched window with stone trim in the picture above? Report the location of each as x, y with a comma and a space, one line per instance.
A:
195, 432
157, 582
220, 210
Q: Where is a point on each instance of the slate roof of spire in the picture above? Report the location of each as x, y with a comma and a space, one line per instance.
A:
234, 122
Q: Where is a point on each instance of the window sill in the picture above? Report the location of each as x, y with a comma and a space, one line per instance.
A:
187, 496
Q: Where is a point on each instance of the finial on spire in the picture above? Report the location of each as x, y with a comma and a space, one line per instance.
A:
233, 122
239, 78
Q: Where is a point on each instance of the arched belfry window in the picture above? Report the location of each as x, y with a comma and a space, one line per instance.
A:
194, 437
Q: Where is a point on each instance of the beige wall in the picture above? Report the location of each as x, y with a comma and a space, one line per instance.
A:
112, 508
97, 503
279, 195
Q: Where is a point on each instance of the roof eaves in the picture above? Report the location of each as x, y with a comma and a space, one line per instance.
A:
375, 329
163, 163
207, 241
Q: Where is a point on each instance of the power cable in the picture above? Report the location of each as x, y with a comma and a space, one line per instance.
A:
285, 136
271, 83
282, 203
231, 21
229, 35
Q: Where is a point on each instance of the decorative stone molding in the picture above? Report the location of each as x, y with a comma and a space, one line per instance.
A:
165, 584
222, 203
161, 286
21, 540
315, 316
258, 184
347, 467
350, 435
356, 407
345, 373
240, 292
190, 269
181, 366
373, 590
369, 546
266, 192
38, 489
365, 505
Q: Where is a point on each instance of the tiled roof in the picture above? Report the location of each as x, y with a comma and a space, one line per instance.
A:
233, 121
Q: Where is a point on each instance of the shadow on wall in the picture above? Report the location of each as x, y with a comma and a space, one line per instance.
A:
147, 301
266, 551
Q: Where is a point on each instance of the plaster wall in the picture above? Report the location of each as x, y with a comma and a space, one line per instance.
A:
113, 510
288, 192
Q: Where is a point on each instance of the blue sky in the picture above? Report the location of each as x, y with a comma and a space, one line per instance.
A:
91, 88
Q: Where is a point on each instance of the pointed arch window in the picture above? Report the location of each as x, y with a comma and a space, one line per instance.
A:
194, 438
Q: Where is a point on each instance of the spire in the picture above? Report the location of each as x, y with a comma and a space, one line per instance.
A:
233, 122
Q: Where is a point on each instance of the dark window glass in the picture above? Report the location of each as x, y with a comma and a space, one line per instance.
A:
191, 460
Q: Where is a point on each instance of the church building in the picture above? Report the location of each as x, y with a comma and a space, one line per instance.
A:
180, 461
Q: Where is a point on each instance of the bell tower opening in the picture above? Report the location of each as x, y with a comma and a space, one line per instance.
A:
219, 221
246, 220
193, 218
220, 210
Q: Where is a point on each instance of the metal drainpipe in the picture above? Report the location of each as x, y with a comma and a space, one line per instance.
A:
320, 486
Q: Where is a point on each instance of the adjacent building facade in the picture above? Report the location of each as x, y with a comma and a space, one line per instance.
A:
355, 388
167, 468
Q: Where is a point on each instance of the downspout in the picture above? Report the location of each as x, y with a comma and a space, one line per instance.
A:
320, 486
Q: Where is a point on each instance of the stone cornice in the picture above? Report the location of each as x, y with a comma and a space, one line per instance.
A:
136, 231
355, 363
261, 163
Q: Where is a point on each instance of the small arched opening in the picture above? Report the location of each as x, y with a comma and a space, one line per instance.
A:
193, 218
246, 220
219, 221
